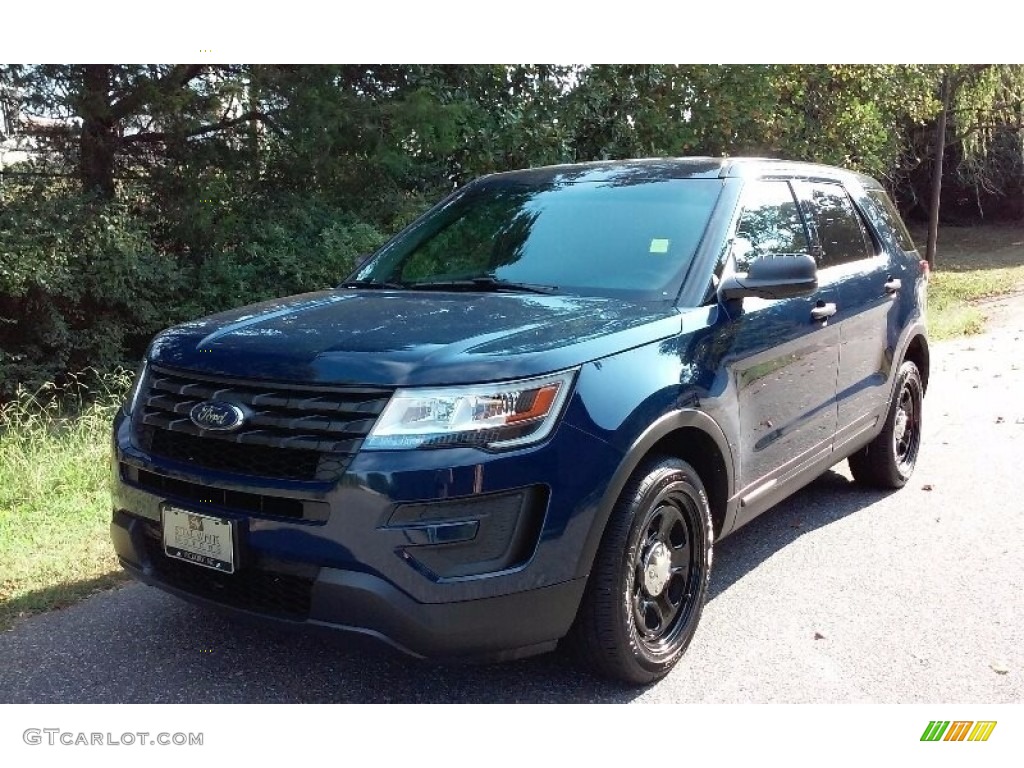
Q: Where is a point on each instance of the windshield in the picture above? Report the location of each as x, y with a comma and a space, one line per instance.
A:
608, 238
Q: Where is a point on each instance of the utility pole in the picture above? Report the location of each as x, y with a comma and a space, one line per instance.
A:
939, 149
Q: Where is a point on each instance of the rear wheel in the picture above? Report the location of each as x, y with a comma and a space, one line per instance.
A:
888, 461
649, 581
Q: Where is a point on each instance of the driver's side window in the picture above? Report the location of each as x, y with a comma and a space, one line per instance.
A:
770, 222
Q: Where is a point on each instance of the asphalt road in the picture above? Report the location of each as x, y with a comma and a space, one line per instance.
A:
838, 595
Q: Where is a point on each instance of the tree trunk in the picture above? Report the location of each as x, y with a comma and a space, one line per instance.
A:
939, 149
98, 143
255, 106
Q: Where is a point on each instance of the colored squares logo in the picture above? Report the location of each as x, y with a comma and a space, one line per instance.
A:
958, 730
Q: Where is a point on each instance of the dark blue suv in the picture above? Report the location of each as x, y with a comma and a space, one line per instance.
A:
530, 415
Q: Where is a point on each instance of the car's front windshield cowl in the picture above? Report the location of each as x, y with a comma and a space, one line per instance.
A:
371, 284
483, 283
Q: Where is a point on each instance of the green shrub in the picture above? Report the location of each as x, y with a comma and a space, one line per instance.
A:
80, 286
83, 284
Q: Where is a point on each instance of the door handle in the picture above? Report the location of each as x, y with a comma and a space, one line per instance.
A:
893, 285
823, 311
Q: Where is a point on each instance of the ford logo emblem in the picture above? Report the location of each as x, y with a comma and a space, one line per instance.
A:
217, 416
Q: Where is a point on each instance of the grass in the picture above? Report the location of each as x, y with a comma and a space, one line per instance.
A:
972, 263
54, 495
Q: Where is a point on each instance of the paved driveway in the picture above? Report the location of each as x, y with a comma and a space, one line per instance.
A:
840, 594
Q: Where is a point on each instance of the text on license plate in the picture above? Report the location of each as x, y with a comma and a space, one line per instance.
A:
200, 539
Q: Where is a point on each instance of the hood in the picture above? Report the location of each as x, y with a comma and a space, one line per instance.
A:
410, 338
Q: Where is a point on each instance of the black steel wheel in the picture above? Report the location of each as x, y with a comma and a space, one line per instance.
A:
649, 581
888, 461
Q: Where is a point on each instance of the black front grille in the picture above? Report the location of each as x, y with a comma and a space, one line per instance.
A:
268, 592
291, 432
256, 503
236, 457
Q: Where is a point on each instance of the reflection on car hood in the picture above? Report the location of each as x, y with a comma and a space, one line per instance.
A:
402, 338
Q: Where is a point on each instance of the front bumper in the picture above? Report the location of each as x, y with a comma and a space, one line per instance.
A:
497, 628
359, 563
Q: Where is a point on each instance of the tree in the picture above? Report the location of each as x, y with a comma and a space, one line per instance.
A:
154, 193
99, 117
978, 102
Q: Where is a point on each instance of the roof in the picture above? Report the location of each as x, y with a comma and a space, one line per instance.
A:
655, 168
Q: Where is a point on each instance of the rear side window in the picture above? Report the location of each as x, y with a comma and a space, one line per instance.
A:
892, 218
770, 223
841, 232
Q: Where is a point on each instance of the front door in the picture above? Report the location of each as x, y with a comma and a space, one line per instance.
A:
783, 355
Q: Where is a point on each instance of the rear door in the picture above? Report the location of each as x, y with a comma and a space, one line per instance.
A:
867, 281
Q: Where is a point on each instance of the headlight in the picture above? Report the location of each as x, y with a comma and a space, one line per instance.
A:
501, 415
133, 393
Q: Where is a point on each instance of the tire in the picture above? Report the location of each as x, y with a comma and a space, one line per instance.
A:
888, 460
649, 581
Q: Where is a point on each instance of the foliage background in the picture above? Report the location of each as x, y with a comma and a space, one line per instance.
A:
143, 195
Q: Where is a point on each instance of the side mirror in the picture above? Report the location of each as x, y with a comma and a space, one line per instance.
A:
774, 276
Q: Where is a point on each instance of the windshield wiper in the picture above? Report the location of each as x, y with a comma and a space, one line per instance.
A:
485, 283
371, 284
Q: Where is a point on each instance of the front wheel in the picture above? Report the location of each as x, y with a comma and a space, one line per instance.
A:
888, 461
649, 581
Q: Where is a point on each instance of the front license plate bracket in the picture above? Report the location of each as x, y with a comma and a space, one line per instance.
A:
202, 540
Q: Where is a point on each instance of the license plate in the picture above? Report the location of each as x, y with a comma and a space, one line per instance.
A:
199, 539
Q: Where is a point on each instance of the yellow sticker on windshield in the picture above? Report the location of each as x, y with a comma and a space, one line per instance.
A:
659, 245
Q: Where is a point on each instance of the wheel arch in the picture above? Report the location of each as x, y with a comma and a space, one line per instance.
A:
918, 353
690, 435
